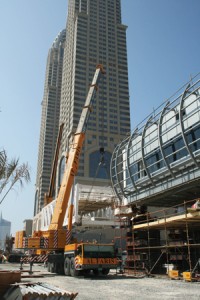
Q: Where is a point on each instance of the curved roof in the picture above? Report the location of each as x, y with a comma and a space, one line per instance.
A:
163, 153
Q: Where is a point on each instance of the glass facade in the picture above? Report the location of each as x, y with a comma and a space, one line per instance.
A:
164, 146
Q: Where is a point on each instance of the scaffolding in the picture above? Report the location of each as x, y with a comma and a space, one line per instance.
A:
122, 226
167, 241
124, 243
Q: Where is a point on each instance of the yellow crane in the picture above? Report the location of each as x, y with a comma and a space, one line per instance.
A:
62, 253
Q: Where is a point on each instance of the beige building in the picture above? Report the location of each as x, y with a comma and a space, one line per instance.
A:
49, 118
94, 35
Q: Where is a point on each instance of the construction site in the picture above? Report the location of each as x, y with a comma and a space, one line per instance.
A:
111, 205
147, 224
157, 167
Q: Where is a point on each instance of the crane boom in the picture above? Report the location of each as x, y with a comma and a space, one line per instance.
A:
56, 244
48, 197
71, 168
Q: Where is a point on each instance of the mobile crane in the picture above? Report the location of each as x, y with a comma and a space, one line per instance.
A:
62, 253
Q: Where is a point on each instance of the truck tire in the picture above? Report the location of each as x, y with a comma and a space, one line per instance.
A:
48, 266
105, 271
51, 267
73, 271
67, 266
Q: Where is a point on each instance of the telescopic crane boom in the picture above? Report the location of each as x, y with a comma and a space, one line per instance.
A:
72, 257
48, 197
71, 168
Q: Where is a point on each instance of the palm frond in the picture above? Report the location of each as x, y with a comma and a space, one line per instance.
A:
3, 161
12, 173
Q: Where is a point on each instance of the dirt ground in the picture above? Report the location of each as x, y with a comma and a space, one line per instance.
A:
114, 287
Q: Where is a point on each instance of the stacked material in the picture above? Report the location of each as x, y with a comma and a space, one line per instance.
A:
7, 278
38, 291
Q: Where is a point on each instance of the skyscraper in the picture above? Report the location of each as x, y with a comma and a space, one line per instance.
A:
94, 35
50, 118
5, 227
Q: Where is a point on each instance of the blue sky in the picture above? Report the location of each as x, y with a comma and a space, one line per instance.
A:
163, 52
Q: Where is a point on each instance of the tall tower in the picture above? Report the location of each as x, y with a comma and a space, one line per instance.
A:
49, 118
5, 227
95, 35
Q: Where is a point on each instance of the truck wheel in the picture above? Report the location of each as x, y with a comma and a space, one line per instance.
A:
48, 267
105, 271
51, 267
73, 270
67, 266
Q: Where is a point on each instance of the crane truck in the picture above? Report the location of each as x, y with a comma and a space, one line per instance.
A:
56, 244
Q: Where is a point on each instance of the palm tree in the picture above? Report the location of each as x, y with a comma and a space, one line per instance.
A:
11, 173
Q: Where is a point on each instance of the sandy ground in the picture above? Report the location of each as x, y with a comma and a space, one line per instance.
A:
114, 287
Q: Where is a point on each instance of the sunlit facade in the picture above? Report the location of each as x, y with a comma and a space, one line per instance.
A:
49, 118
163, 153
95, 35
